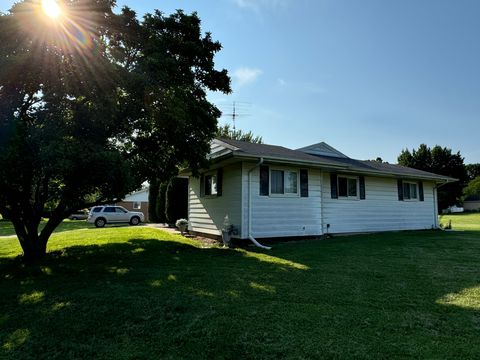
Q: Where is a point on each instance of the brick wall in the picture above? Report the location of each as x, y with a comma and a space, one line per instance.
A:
129, 206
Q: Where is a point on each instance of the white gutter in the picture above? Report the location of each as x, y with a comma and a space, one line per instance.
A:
321, 202
251, 238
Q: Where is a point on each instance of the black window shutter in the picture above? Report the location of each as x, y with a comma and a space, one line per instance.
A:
333, 186
400, 190
219, 182
202, 186
420, 191
303, 182
264, 180
361, 181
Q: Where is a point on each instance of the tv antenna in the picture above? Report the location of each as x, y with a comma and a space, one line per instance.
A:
236, 107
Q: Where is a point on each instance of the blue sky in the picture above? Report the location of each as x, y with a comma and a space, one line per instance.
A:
368, 77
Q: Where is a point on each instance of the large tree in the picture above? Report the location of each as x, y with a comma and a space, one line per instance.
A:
439, 160
93, 103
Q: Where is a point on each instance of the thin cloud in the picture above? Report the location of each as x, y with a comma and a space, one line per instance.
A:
246, 75
257, 5
281, 82
315, 89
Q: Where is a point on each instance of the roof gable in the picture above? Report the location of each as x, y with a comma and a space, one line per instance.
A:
322, 149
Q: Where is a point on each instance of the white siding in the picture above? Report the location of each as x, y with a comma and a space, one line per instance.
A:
283, 216
276, 216
206, 214
380, 211
140, 196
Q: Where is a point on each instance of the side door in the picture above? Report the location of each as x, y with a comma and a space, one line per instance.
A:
122, 214
110, 214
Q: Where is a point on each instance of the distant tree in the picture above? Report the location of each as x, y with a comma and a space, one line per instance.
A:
94, 103
439, 160
227, 132
473, 170
152, 200
473, 188
378, 159
161, 201
176, 199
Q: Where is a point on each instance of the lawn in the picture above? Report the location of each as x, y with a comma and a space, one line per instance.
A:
464, 221
6, 227
140, 293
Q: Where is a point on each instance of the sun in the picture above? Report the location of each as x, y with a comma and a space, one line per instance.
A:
51, 8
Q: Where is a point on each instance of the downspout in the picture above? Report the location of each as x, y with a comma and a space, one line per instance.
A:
250, 237
321, 201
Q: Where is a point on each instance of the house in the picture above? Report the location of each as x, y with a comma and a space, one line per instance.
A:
268, 191
137, 201
472, 203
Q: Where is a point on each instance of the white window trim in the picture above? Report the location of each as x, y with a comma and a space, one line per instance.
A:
357, 178
403, 189
284, 169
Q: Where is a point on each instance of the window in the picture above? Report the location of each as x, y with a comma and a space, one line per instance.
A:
109, 209
97, 209
284, 182
409, 191
291, 182
277, 182
210, 185
137, 205
120, 210
347, 187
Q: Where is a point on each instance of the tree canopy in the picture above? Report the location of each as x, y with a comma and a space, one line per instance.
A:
438, 160
473, 188
473, 171
227, 132
93, 103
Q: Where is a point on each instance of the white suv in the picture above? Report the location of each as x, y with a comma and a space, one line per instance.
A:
101, 215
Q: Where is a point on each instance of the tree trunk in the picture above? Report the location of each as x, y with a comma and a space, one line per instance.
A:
33, 243
34, 249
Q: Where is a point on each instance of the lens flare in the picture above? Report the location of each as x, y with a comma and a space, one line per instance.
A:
51, 8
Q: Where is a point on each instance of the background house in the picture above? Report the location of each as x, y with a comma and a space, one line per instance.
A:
472, 203
137, 201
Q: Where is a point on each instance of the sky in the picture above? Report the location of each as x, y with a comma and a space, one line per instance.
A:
368, 77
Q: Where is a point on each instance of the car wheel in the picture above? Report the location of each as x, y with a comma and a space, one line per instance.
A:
100, 222
135, 220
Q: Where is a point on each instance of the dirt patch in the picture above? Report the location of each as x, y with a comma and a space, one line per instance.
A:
206, 242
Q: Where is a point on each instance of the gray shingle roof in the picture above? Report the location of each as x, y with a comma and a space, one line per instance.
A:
274, 152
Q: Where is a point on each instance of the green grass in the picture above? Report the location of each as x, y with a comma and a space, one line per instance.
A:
140, 293
463, 221
6, 227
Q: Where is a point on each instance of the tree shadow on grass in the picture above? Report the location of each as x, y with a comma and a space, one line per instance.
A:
349, 298
142, 298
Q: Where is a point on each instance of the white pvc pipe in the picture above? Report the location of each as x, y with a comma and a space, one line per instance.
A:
250, 236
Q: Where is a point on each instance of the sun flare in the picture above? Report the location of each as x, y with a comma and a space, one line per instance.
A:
51, 8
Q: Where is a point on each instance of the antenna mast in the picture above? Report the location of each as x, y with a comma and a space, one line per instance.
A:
234, 115
236, 106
